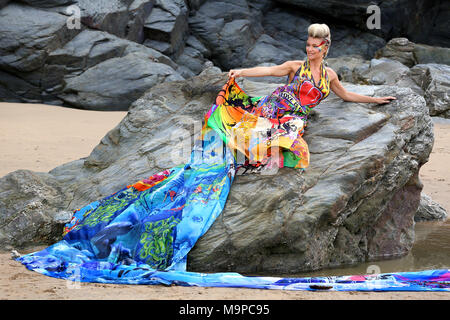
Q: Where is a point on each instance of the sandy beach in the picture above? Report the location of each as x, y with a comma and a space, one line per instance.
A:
41, 137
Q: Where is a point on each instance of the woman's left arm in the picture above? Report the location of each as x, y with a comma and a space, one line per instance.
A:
340, 91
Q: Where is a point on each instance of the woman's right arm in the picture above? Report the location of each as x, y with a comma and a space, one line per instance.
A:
276, 71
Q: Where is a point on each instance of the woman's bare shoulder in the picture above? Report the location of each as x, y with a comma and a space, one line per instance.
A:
331, 73
295, 64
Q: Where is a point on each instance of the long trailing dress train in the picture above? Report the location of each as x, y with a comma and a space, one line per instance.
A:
143, 233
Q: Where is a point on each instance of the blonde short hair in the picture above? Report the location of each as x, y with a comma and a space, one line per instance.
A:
320, 30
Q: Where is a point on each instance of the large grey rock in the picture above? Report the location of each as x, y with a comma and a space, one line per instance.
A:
87, 49
287, 27
431, 54
356, 202
68, 64
123, 18
410, 54
195, 4
14, 88
348, 67
28, 34
193, 58
434, 79
385, 71
268, 50
166, 27
193, 42
192, 61
261, 5
128, 77
399, 49
31, 209
430, 23
228, 29
429, 210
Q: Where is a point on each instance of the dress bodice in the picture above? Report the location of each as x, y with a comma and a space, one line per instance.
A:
304, 75
298, 96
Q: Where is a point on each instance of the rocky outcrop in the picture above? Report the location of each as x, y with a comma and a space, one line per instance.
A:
23, 47
431, 54
429, 210
410, 53
32, 209
128, 77
399, 49
46, 58
88, 69
356, 202
434, 79
421, 21
124, 19
228, 29
166, 28
128, 70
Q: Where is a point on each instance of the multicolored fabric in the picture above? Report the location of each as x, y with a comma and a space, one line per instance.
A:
298, 96
242, 128
143, 233
152, 223
260, 127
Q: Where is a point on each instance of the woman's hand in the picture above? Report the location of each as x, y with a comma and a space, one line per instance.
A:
234, 73
383, 100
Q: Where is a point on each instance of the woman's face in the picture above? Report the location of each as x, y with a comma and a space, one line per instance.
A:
315, 48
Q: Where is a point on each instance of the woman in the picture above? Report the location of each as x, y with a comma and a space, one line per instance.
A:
309, 82
152, 225
317, 47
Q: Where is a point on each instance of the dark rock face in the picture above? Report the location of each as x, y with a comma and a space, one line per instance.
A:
394, 230
43, 54
23, 47
356, 202
290, 28
228, 29
421, 21
80, 68
128, 77
3, 3
167, 27
123, 18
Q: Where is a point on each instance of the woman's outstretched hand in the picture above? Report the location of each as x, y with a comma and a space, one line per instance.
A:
234, 73
383, 100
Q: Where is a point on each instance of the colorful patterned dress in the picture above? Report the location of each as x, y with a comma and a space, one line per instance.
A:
256, 125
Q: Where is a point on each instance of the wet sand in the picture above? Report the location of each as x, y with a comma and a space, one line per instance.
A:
41, 137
